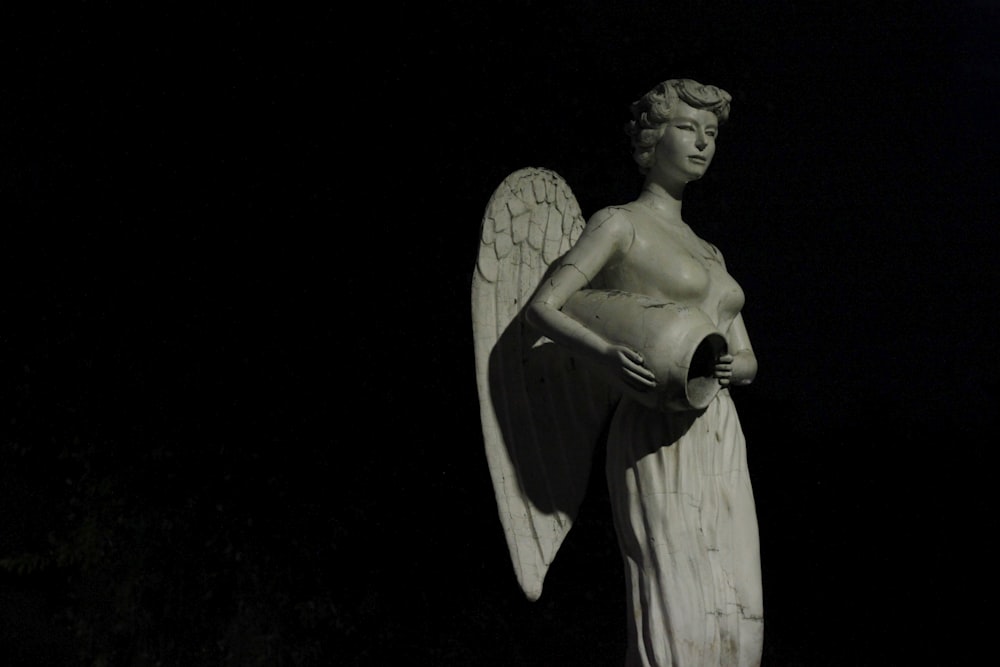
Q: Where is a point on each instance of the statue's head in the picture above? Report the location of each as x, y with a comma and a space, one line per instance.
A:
652, 112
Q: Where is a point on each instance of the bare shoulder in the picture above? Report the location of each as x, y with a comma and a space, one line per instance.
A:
614, 222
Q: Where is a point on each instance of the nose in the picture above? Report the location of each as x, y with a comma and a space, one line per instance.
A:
701, 141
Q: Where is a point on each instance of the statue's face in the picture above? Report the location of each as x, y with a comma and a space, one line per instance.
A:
688, 143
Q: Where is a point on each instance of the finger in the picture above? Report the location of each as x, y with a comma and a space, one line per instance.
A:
642, 371
632, 355
646, 380
636, 365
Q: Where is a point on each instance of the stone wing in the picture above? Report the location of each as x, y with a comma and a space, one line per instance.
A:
542, 412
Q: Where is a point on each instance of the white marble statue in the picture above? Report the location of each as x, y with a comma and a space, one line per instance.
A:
626, 327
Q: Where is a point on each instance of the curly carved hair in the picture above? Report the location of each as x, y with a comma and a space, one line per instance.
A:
652, 112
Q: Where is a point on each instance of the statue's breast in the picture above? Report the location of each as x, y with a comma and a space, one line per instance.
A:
657, 265
677, 267
725, 299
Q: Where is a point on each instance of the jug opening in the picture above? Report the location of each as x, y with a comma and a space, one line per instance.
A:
701, 383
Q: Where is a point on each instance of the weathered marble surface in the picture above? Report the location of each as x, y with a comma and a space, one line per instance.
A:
541, 411
630, 325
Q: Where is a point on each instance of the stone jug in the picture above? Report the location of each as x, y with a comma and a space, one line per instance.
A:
680, 344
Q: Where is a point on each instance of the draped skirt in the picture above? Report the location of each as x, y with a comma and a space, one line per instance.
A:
687, 527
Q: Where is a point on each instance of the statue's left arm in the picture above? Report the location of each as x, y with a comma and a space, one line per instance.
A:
739, 365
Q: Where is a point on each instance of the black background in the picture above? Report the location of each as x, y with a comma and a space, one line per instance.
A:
240, 423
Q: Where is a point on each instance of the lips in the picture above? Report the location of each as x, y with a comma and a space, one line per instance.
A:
700, 159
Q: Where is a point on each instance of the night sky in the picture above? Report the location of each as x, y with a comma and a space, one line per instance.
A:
236, 340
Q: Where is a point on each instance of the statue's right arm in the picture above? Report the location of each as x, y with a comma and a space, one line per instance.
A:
606, 238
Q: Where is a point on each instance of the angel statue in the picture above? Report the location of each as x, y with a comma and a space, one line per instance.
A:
625, 327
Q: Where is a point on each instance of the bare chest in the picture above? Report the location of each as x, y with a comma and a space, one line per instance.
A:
676, 265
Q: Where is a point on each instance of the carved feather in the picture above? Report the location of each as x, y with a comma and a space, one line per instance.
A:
542, 413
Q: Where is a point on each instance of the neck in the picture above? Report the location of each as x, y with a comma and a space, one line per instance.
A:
662, 200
